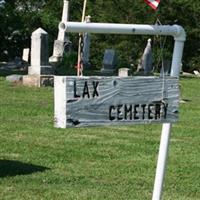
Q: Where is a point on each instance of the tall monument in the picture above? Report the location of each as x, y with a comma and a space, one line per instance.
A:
39, 53
40, 73
86, 45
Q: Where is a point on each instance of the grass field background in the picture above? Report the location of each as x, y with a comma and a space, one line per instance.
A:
38, 161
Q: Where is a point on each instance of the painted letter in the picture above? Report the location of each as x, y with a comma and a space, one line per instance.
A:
143, 110
149, 111
119, 112
75, 95
128, 110
86, 90
110, 113
157, 111
135, 111
95, 86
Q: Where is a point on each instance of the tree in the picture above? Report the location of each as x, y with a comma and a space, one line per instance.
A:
18, 19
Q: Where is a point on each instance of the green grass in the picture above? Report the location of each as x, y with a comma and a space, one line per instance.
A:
38, 161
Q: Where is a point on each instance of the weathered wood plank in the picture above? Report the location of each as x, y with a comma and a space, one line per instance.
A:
115, 100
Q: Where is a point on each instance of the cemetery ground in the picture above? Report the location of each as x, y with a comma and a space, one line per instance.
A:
38, 161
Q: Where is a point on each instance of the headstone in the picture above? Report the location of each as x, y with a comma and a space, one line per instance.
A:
109, 62
25, 56
86, 46
18, 61
39, 53
123, 72
166, 67
196, 73
146, 61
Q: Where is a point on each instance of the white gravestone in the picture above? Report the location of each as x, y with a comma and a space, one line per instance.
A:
39, 53
123, 72
86, 45
109, 62
25, 56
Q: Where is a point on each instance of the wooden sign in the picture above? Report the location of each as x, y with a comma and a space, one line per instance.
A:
85, 101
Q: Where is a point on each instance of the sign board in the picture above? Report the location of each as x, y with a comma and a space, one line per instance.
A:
85, 101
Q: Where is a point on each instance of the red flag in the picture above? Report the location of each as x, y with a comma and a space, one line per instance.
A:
153, 3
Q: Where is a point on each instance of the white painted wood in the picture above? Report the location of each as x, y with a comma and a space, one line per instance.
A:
65, 17
179, 36
113, 97
60, 101
166, 128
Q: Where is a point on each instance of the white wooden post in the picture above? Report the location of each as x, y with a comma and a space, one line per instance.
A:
60, 101
162, 161
39, 53
166, 128
65, 16
138, 29
58, 48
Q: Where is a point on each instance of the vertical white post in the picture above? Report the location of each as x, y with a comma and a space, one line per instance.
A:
162, 160
65, 16
59, 44
177, 57
60, 101
166, 128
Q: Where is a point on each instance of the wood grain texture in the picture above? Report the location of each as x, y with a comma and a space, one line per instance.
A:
116, 100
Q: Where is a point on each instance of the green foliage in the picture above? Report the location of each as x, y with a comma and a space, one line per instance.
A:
18, 19
67, 65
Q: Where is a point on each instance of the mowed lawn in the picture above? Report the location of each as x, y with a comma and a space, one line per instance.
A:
38, 161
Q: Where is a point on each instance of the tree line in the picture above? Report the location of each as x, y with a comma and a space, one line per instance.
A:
19, 18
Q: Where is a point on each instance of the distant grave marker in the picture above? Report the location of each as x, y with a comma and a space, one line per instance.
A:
109, 62
123, 72
84, 101
25, 56
196, 73
166, 67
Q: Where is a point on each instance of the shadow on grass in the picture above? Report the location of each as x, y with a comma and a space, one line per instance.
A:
14, 168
